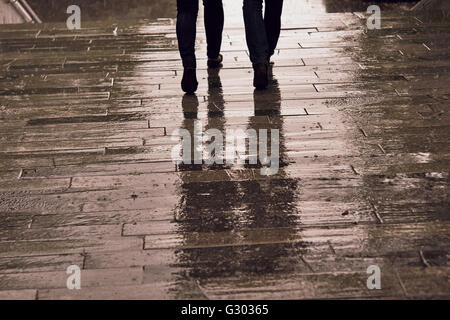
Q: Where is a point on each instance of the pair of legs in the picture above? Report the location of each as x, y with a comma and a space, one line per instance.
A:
262, 34
187, 31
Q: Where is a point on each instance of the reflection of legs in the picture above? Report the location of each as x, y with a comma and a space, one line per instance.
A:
214, 19
216, 102
189, 105
268, 103
272, 21
267, 116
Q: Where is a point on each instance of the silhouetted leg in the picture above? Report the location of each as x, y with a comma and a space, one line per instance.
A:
272, 22
255, 31
214, 20
186, 31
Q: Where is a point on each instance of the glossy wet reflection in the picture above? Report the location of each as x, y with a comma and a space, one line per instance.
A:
404, 147
231, 208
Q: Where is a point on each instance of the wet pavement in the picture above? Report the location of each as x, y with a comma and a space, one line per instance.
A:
86, 176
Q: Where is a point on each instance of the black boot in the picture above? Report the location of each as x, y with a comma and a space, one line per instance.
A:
261, 76
189, 83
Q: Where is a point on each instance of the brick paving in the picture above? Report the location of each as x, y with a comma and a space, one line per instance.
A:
86, 176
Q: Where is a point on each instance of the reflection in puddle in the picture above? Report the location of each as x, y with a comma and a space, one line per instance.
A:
423, 157
222, 212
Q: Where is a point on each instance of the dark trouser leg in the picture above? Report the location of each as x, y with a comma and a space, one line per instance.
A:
186, 31
272, 21
255, 31
214, 19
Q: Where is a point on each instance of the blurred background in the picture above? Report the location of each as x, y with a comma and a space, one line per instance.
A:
55, 10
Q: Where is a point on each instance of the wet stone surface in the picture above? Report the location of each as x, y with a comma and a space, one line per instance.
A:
86, 176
